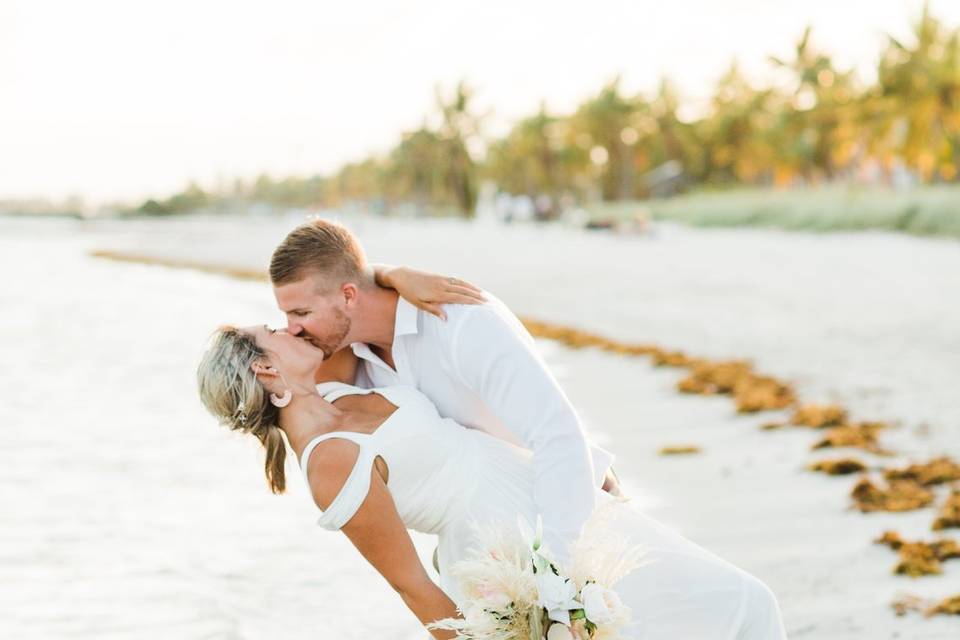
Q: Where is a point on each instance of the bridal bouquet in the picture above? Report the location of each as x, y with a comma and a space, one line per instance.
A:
514, 590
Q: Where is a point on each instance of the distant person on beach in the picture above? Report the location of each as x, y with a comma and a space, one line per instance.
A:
374, 396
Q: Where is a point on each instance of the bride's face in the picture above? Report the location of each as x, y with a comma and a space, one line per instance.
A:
293, 357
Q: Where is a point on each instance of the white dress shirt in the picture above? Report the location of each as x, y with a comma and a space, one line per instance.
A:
481, 369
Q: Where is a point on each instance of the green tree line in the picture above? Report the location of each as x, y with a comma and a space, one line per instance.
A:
820, 125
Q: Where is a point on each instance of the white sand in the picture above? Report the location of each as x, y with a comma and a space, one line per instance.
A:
166, 517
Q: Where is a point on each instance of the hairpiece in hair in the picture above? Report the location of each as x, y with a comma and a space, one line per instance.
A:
239, 414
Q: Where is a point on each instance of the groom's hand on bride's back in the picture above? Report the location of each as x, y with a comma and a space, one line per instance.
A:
428, 291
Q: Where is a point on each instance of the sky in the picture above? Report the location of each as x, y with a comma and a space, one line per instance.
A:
122, 99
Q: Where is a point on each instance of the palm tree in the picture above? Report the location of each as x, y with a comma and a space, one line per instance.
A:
458, 128
416, 169
735, 136
819, 128
603, 124
537, 157
916, 105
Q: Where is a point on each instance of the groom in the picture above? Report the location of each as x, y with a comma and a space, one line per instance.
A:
479, 367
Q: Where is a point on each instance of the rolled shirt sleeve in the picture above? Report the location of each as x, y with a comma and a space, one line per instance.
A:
494, 355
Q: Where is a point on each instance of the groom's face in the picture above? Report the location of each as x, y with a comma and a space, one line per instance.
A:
315, 313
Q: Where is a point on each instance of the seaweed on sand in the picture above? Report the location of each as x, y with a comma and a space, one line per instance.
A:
837, 467
819, 416
948, 606
709, 378
772, 426
937, 471
663, 358
890, 538
762, 393
906, 603
900, 495
949, 516
858, 435
673, 450
919, 558
751, 392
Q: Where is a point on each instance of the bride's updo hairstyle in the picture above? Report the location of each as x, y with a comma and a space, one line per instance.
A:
229, 389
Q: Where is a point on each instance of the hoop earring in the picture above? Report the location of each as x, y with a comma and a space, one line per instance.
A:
281, 401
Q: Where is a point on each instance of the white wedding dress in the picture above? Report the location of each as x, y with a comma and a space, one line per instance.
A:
445, 478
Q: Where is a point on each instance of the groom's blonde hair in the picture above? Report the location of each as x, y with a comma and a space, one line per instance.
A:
319, 247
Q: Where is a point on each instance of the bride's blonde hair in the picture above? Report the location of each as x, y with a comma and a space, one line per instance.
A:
229, 389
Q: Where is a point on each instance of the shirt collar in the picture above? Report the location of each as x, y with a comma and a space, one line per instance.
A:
406, 320
405, 323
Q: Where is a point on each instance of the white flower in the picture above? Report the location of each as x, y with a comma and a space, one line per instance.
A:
601, 605
559, 631
531, 538
557, 595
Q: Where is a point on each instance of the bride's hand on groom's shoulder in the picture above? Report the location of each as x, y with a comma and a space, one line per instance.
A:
428, 291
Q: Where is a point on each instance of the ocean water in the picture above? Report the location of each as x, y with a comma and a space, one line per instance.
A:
127, 512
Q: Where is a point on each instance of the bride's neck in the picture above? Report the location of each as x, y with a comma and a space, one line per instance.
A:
307, 416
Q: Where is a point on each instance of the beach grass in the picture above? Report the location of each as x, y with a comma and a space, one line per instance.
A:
922, 210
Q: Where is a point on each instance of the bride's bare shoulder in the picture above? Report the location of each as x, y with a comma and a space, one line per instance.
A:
328, 468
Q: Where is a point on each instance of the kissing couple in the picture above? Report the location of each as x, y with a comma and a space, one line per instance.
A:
414, 401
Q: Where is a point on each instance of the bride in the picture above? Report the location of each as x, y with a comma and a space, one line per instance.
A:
381, 461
